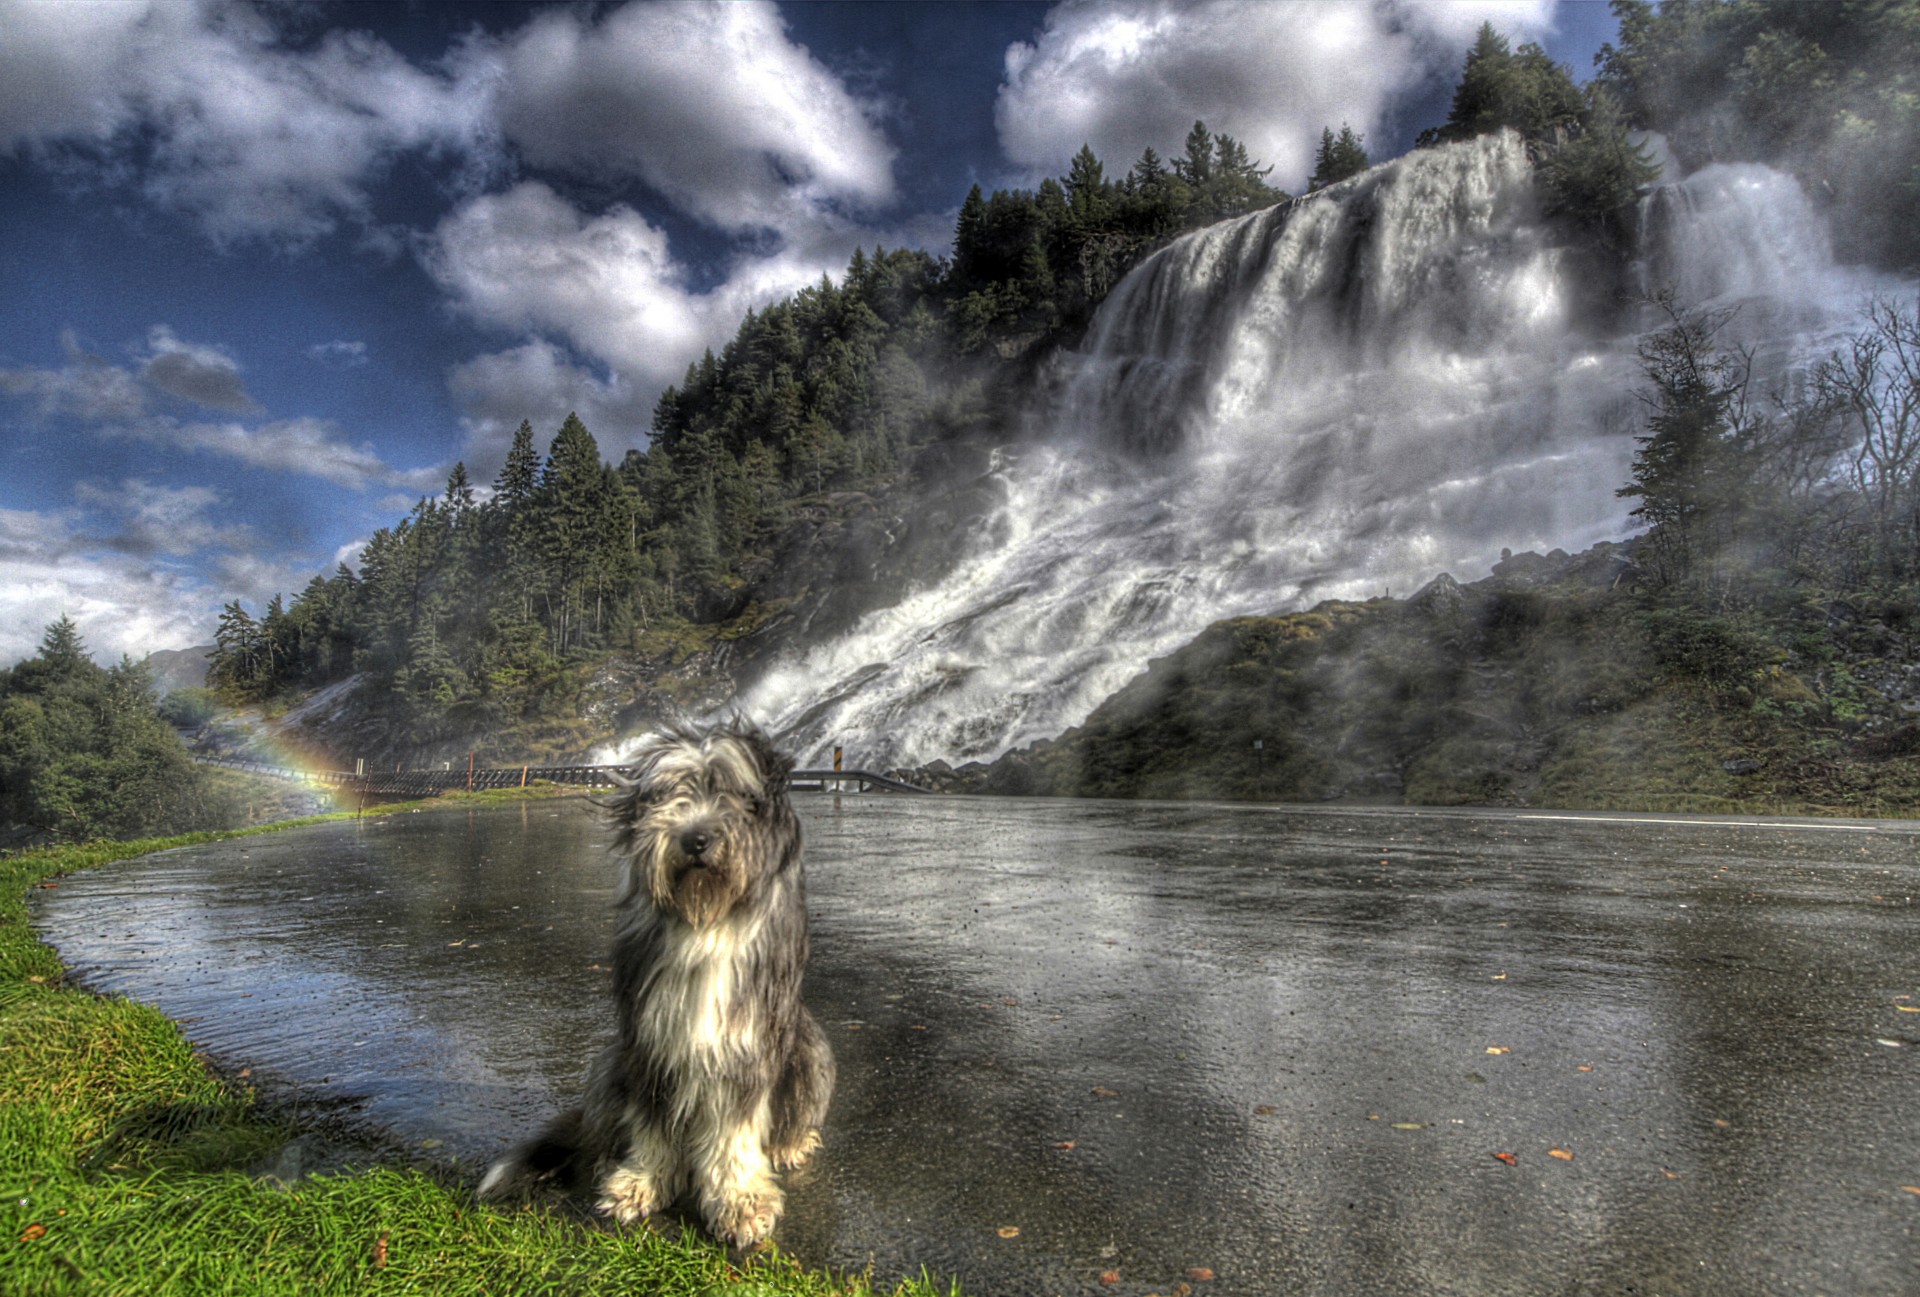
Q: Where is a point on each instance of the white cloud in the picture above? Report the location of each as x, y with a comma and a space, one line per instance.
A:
256, 139
1127, 75
339, 354
195, 372
711, 104
527, 261
121, 602
86, 387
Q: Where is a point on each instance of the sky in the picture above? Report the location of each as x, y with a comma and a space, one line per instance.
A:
268, 270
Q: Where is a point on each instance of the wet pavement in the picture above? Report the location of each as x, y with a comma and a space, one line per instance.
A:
1093, 1047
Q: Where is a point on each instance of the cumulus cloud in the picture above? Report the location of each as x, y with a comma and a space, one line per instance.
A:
713, 105
527, 260
122, 603
195, 372
1125, 75
85, 387
218, 117
339, 354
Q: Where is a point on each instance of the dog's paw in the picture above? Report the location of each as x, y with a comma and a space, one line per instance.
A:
628, 1195
745, 1219
498, 1181
786, 1159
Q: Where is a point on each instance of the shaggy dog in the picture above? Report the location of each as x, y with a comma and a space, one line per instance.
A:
718, 1076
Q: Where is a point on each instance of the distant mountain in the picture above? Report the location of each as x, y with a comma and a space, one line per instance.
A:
179, 668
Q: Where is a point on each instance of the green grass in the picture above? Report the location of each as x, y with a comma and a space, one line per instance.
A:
123, 1156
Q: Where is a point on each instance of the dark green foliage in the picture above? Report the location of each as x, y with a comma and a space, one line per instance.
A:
1830, 91
1721, 652
187, 709
1338, 157
1506, 89
85, 755
1696, 473
1596, 175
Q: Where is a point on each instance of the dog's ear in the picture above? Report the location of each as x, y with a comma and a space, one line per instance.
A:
773, 764
635, 795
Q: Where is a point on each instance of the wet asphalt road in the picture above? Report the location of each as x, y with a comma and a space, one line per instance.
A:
1093, 1047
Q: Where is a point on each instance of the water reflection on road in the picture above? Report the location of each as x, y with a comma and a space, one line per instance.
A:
1282, 1045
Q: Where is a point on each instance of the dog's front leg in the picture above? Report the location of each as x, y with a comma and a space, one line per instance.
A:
644, 1181
739, 1199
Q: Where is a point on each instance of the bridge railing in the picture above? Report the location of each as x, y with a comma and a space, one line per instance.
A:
431, 783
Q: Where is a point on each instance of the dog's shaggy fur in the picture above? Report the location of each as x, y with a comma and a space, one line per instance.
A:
718, 1077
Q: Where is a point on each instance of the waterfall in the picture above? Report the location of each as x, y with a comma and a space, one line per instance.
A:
1338, 397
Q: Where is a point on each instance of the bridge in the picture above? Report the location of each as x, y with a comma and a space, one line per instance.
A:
431, 783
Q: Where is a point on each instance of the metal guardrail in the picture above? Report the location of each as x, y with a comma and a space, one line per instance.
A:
865, 778
431, 783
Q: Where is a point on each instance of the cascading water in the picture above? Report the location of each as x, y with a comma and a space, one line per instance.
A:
1338, 397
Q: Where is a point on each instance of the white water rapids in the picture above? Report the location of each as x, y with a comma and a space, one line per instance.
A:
1339, 397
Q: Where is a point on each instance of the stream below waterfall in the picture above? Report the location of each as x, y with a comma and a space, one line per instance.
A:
1090, 1039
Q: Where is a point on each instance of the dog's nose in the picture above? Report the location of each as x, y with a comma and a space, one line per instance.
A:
695, 841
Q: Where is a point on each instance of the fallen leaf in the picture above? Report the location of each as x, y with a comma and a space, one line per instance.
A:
380, 1253
855, 1026
1508, 1158
1373, 1116
1011, 1004
1109, 1276
1008, 1231
1908, 1008
1499, 977
1584, 1067
1183, 1290
1264, 1110
32, 1232
1408, 1125
1723, 1125
1199, 1274
1911, 1188
1498, 1049
918, 1026
1669, 1174
1064, 1145
1560, 1153
1105, 1093
1476, 1079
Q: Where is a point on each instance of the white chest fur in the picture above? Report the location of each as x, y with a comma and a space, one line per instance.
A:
692, 1014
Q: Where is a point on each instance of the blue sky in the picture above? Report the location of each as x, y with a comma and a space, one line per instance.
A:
269, 270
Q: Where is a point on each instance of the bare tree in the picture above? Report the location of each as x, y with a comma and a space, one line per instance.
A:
1874, 383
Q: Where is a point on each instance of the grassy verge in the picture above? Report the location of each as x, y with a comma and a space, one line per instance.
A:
123, 1168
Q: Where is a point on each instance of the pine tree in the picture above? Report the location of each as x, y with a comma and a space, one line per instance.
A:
1338, 157
61, 648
